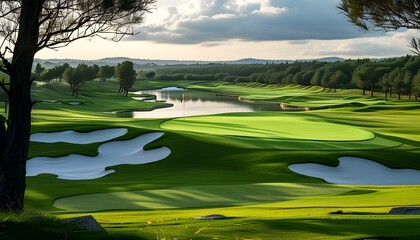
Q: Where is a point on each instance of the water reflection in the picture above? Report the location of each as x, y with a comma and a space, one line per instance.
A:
194, 103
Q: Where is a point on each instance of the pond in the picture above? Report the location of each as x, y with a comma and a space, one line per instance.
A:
190, 102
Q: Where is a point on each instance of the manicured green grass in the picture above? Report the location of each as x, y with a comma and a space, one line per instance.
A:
195, 196
312, 97
258, 222
234, 159
269, 125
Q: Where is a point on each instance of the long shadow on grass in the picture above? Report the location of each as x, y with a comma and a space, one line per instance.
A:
49, 229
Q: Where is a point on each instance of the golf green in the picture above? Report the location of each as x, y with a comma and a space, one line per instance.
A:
271, 126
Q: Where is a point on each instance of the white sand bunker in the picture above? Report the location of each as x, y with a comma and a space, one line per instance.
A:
79, 167
79, 138
359, 171
167, 89
74, 103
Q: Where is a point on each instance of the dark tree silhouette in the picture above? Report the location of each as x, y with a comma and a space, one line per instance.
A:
75, 77
150, 74
28, 26
126, 76
386, 15
106, 72
39, 69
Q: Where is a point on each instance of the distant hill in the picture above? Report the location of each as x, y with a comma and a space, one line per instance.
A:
154, 63
325, 59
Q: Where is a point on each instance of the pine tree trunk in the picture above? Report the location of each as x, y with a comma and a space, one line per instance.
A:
16, 138
15, 150
6, 103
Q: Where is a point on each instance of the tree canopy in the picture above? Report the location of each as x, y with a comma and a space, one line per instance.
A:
126, 75
386, 15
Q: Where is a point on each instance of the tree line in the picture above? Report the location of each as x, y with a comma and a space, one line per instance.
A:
390, 76
76, 76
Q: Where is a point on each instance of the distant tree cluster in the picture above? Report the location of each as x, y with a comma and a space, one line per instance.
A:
77, 76
213, 69
392, 76
106, 72
40, 73
399, 76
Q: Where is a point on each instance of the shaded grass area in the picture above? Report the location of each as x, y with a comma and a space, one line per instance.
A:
194, 196
34, 225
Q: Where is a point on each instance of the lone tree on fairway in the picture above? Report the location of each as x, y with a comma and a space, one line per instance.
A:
126, 75
386, 15
28, 26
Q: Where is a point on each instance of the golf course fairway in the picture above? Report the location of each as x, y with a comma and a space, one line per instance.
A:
266, 125
195, 196
232, 164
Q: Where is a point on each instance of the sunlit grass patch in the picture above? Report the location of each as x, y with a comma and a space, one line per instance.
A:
195, 196
269, 125
262, 223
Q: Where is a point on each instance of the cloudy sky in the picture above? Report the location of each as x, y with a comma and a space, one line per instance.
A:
235, 29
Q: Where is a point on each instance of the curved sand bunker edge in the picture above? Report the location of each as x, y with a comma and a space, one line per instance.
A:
358, 171
80, 167
70, 136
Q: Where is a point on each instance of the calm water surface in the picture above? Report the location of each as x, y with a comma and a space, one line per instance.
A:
190, 102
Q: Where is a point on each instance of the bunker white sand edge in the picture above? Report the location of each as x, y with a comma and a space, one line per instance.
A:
359, 171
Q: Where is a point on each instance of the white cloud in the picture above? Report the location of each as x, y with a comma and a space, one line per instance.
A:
385, 45
223, 16
266, 7
234, 29
249, 20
